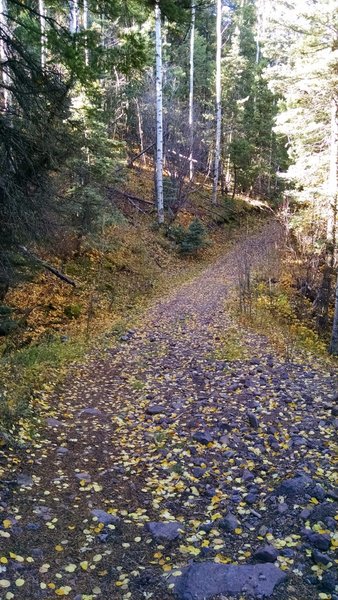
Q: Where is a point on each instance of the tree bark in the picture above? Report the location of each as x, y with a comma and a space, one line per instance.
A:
218, 100
43, 38
4, 52
73, 16
191, 90
159, 116
140, 131
334, 337
332, 222
85, 27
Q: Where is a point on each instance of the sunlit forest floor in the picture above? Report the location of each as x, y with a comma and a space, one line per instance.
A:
192, 457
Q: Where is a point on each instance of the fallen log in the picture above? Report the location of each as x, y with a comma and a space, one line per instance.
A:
47, 266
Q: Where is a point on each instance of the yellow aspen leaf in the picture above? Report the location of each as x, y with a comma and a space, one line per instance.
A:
19, 582
7, 523
216, 516
84, 565
44, 568
63, 591
70, 568
97, 557
4, 583
166, 568
3, 560
59, 548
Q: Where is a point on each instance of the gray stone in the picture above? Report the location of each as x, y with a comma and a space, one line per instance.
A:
90, 412
306, 512
329, 582
251, 498
104, 517
164, 531
322, 541
320, 558
84, 476
224, 440
155, 409
294, 486
36, 553
253, 420
197, 472
282, 508
62, 450
203, 437
331, 523
201, 581
247, 475
229, 523
266, 554
45, 512
24, 480
51, 422
319, 492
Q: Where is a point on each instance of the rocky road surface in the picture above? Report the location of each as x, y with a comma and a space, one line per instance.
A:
167, 469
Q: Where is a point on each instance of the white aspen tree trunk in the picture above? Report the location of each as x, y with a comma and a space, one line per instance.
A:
140, 130
191, 91
218, 99
73, 16
334, 337
43, 37
332, 179
159, 117
228, 160
85, 27
4, 54
332, 223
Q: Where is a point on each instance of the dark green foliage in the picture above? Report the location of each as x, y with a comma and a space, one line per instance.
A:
189, 239
7, 326
73, 311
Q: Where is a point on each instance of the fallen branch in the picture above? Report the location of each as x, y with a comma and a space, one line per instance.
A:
132, 160
131, 197
47, 266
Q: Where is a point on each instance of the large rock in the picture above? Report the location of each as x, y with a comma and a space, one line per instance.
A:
155, 409
203, 437
164, 531
201, 581
295, 486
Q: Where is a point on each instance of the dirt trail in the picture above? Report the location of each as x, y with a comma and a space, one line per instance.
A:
166, 430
